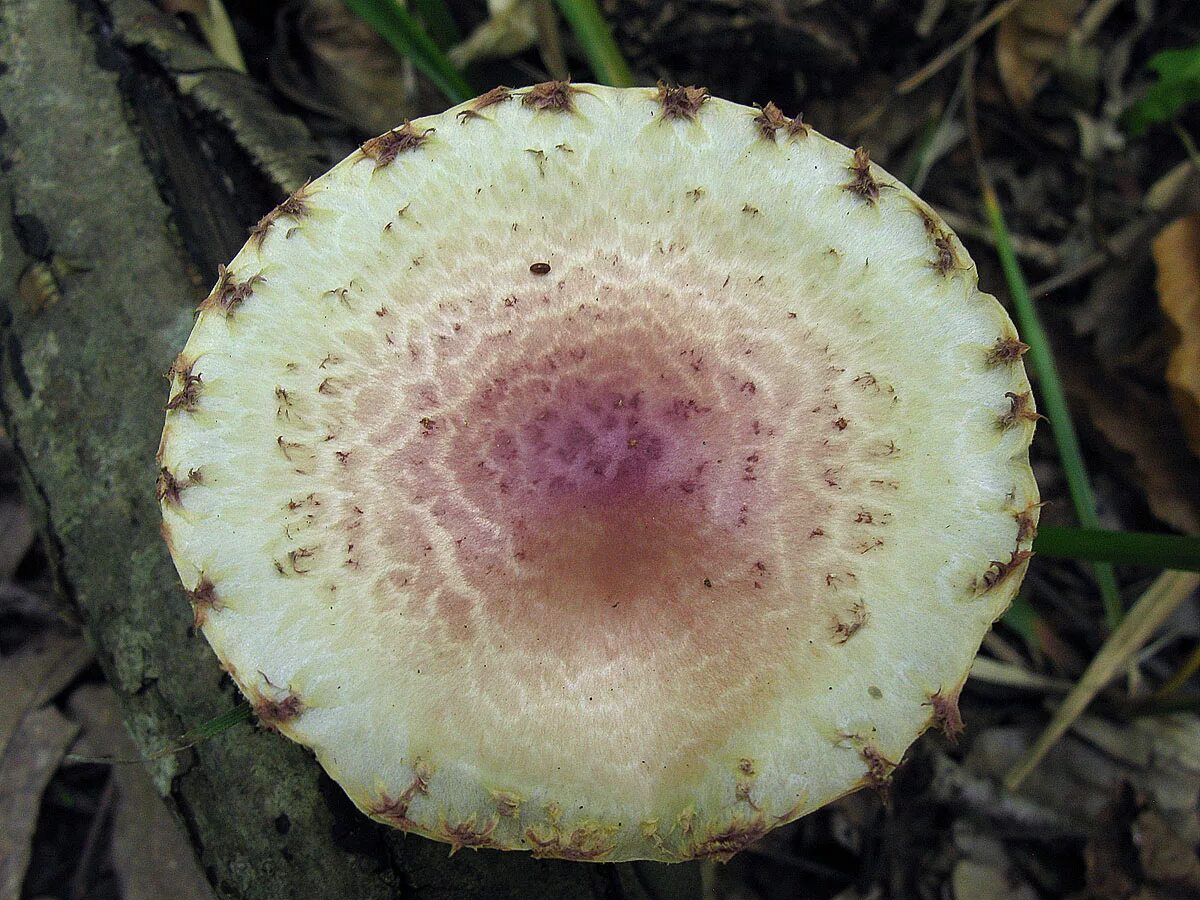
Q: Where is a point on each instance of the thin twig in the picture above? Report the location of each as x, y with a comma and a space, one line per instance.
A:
947, 56
1069, 276
925, 158
1038, 252
1155, 606
1161, 204
1092, 19
1189, 145
1012, 676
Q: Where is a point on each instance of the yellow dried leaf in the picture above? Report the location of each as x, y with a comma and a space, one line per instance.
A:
214, 23
1177, 255
336, 63
511, 28
1026, 42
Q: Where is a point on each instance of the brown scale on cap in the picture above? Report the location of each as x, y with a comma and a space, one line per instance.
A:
283, 403
797, 128
203, 597
863, 185
744, 781
273, 713
946, 716
169, 487
681, 102
467, 834
945, 254
181, 364
723, 845
229, 293
385, 148
493, 97
945, 259
879, 769
295, 452
843, 630
1020, 409
590, 842
1006, 351
998, 571
395, 810
294, 207
1027, 523
508, 804
298, 561
558, 96
188, 394
769, 120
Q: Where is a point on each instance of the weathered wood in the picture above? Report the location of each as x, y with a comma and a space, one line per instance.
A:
112, 216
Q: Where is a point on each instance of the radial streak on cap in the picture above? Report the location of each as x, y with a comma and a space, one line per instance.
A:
611, 484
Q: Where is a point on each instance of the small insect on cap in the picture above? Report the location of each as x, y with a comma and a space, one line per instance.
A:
609, 474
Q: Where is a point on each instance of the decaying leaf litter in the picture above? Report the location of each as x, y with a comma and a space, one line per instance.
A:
1087, 183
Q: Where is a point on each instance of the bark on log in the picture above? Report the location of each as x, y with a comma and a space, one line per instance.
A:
132, 163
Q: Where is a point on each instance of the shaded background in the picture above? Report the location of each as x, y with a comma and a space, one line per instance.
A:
135, 156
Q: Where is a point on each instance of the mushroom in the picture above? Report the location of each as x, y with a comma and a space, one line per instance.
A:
609, 474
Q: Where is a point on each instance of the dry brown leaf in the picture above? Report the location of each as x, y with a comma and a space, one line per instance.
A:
17, 535
1176, 252
150, 851
1028, 39
1165, 857
510, 29
1133, 853
1142, 424
330, 61
33, 739
29, 762
34, 676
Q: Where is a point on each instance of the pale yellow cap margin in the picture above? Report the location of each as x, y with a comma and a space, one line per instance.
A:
849, 227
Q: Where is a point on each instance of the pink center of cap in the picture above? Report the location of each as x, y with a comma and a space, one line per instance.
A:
601, 475
608, 500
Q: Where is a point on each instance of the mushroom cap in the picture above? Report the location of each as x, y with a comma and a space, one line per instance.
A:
611, 474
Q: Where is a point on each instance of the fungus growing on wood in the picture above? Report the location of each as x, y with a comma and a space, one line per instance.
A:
558, 504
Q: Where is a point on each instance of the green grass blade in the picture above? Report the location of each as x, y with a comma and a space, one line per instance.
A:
438, 22
213, 727
1052, 400
243, 712
401, 30
1121, 647
596, 40
1160, 551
